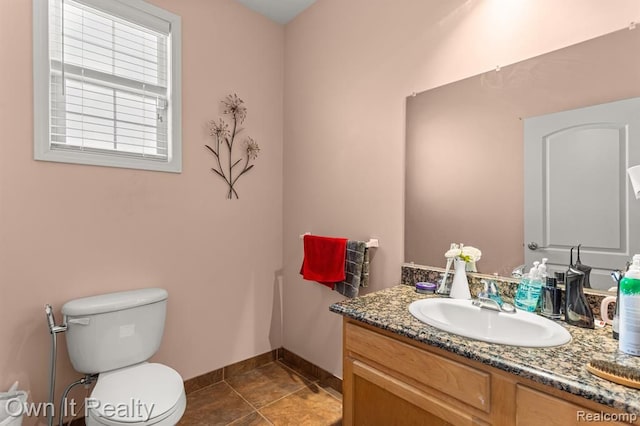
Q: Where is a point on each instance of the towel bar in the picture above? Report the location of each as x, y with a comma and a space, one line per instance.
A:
373, 242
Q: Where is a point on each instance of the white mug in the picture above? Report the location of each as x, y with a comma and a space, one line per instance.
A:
604, 309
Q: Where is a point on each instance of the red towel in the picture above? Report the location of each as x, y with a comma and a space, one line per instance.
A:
324, 259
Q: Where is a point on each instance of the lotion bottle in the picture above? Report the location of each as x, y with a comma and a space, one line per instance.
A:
629, 315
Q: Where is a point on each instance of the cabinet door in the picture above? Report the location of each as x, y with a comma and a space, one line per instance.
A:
379, 399
536, 408
468, 385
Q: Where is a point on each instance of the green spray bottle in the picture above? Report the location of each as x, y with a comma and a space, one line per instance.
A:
629, 315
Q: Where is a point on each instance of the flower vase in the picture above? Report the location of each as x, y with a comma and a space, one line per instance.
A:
460, 285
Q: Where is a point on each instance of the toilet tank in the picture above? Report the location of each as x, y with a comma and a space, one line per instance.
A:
114, 330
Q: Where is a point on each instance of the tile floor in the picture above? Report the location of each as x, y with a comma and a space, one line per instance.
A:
272, 394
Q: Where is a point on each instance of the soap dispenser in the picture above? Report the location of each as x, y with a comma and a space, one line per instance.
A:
576, 307
542, 270
528, 292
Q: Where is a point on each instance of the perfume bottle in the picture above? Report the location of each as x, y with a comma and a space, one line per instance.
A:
551, 299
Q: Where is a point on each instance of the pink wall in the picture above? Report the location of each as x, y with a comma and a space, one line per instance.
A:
349, 67
345, 69
68, 231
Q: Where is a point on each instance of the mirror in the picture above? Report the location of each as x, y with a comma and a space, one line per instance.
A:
464, 147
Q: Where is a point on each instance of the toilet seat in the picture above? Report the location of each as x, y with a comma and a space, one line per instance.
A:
143, 394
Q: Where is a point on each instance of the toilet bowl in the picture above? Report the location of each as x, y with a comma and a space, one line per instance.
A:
114, 335
144, 394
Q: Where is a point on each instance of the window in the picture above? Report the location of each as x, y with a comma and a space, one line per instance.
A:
107, 84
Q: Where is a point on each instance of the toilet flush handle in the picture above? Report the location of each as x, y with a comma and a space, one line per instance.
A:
79, 321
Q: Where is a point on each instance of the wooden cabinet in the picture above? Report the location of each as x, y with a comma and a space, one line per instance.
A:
393, 380
535, 408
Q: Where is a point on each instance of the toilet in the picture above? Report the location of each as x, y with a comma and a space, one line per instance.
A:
113, 335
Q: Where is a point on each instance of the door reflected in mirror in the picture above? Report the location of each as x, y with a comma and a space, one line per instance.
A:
576, 191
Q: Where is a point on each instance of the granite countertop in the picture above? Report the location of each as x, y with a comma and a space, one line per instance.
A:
562, 367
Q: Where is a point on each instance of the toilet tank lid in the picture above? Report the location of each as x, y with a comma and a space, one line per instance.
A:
112, 302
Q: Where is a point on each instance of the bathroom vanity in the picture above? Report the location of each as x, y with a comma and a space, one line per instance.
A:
398, 370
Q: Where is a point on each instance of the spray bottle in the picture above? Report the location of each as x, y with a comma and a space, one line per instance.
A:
629, 300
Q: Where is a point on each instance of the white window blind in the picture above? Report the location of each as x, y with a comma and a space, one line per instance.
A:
110, 85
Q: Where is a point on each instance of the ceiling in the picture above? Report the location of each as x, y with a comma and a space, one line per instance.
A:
280, 11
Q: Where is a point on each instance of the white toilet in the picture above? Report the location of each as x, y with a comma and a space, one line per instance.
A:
114, 335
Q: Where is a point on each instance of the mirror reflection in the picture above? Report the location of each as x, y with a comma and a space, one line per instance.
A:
465, 147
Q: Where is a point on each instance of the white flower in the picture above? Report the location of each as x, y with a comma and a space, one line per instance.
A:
466, 253
471, 253
451, 253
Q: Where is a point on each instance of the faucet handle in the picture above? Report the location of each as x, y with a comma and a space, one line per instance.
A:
484, 293
490, 291
490, 288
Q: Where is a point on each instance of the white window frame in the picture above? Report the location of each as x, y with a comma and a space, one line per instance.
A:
134, 10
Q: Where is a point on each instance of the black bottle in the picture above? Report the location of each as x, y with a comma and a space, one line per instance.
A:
576, 308
586, 270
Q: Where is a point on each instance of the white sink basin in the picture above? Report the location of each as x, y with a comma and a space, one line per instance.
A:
516, 329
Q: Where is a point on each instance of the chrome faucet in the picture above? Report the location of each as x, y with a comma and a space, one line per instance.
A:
489, 298
487, 303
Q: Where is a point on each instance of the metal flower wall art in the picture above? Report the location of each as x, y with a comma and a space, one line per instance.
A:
224, 137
